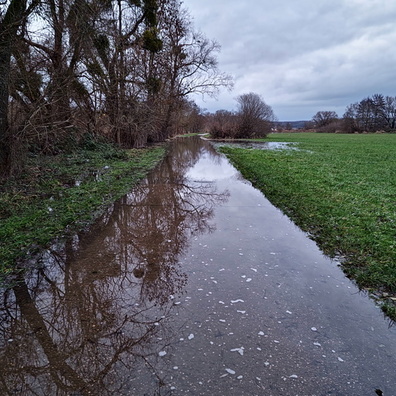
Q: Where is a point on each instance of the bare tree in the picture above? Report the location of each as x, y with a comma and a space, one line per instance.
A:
390, 112
255, 116
374, 113
323, 118
187, 64
349, 120
12, 18
49, 64
222, 125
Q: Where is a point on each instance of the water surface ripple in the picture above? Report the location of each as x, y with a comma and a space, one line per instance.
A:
192, 284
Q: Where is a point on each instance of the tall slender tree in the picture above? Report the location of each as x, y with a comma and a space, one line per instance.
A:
186, 65
11, 21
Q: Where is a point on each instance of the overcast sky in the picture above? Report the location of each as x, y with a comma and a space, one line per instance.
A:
301, 56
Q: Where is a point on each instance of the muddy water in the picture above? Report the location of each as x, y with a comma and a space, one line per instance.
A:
192, 284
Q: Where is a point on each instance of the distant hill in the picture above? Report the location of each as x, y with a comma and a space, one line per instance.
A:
294, 124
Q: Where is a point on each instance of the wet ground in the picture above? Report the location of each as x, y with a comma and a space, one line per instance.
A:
256, 145
192, 284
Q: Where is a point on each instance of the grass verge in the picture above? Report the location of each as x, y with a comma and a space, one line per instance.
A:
341, 189
64, 193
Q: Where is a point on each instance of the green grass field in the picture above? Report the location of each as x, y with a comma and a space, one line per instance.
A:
341, 189
64, 193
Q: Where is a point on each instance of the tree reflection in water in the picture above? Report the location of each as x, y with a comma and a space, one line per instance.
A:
93, 313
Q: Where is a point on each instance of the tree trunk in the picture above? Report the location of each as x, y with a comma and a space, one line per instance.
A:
8, 30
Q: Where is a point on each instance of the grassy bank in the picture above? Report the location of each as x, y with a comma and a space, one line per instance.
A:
342, 190
59, 194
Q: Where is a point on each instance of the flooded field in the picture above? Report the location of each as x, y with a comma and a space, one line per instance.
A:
192, 284
257, 145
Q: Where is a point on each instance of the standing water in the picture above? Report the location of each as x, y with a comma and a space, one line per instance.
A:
192, 284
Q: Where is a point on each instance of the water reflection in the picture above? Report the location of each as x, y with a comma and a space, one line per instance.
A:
93, 314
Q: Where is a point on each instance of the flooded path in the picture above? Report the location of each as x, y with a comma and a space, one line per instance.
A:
192, 284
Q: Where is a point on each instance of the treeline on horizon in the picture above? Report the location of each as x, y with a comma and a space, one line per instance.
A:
121, 71
376, 113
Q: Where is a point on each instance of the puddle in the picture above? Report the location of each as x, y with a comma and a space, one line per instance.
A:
257, 145
192, 284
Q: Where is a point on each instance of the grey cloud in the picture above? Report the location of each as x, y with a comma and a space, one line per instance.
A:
302, 55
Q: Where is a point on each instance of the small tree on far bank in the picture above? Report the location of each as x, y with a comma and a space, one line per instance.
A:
326, 121
255, 117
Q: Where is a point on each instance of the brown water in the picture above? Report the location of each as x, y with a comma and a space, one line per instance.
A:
192, 284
